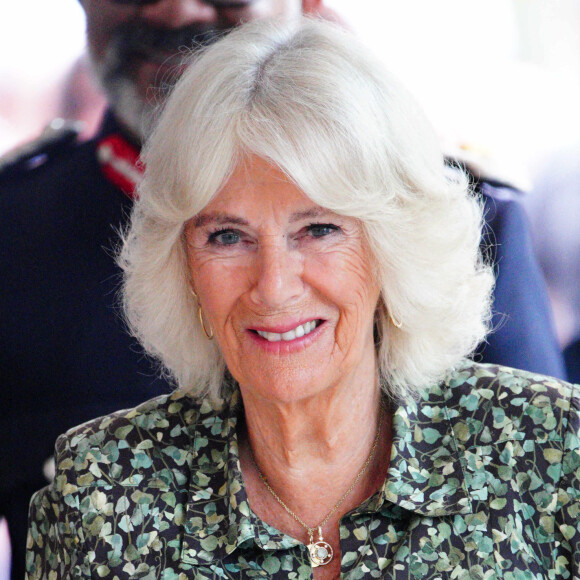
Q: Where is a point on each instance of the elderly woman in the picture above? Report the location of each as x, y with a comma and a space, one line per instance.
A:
302, 264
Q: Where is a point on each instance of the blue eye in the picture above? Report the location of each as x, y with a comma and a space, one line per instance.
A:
321, 230
224, 238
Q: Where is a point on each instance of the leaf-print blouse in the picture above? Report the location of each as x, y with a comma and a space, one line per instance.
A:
484, 482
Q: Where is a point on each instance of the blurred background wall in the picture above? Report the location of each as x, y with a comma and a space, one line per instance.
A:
499, 77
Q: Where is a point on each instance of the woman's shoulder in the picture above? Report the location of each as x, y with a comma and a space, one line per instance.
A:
493, 403
124, 447
471, 375
157, 414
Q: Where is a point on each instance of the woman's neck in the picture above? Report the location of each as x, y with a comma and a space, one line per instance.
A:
291, 436
311, 452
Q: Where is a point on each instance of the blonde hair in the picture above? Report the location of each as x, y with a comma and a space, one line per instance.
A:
309, 98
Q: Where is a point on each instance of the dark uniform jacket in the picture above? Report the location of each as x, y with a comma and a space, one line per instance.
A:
523, 335
484, 483
64, 354
572, 358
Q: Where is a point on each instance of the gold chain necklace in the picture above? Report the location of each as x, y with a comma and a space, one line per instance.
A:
321, 552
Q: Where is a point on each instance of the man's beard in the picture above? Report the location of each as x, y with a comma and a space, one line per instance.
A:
172, 48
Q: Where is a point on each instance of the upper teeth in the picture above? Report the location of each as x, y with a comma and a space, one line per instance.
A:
297, 332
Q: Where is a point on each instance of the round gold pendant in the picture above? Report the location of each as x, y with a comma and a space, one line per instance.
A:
320, 553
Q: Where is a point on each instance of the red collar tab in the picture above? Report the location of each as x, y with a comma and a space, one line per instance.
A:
120, 163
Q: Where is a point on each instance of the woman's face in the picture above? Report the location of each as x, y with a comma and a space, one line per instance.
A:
286, 286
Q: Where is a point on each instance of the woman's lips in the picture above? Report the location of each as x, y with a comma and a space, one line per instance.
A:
299, 331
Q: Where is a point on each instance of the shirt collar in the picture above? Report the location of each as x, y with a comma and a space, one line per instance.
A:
426, 473
218, 518
426, 476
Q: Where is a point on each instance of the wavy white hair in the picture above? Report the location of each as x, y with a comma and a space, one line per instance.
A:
309, 98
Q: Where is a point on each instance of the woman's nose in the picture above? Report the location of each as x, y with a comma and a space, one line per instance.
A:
277, 277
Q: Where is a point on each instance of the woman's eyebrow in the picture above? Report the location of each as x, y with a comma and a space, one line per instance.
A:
312, 213
218, 218
221, 218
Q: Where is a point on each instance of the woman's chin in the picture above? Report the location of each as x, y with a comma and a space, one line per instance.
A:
285, 388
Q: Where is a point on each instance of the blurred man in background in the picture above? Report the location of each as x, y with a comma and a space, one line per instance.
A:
65, 355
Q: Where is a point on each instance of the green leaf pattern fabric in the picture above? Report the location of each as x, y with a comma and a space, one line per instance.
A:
484, 483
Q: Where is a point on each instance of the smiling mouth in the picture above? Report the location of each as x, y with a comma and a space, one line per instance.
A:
298, 332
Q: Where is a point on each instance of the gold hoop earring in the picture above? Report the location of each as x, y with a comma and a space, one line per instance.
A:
209, 334
200, 315
396, 323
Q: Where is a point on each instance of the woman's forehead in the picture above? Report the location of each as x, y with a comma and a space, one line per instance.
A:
252, 171
256, 181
